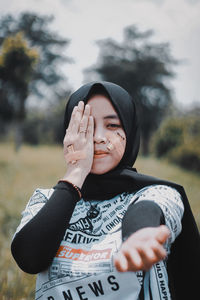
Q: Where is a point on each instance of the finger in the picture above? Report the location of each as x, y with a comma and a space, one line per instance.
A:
133, 259
148, 257
84, 121
72, 118
160, 252
151, 253
162, 234
77, 118
120, 262
90, 129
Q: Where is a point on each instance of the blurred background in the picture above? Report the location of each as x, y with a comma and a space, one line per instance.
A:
50, 48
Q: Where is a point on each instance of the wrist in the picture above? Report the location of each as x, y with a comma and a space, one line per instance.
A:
75, 176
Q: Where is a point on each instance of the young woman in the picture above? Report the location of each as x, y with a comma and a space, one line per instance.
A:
105, 231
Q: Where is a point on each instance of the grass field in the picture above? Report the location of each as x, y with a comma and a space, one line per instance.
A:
32, 167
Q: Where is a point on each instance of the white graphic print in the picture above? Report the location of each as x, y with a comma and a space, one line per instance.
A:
36, 202
91, 239
83, 266
110, 286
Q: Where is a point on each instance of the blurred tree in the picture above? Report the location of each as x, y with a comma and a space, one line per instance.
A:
178, 139
141, 67
18, 78
17, 61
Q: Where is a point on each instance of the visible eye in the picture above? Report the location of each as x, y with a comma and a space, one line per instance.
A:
113, 126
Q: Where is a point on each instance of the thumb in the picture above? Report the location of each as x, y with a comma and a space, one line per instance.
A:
162, 234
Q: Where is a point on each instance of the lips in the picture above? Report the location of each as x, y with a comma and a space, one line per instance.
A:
100, 153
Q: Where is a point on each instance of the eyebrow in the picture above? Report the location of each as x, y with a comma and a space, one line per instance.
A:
111, 117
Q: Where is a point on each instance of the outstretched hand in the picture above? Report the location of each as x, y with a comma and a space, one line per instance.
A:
142, 249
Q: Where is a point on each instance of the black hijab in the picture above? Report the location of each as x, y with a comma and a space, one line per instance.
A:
183, 262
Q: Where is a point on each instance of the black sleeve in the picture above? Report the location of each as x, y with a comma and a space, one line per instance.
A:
36, 244
145, 213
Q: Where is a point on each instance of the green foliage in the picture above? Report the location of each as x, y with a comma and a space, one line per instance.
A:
187, 156
141, 67
168, 136
18, 45
17, 62
179, 140
47, 42
25, 40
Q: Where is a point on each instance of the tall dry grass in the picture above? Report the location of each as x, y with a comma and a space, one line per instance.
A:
20, 174
32, 167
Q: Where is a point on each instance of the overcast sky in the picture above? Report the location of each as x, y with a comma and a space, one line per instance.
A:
84, 21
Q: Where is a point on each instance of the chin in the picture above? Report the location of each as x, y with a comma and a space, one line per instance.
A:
104, 165
100, 170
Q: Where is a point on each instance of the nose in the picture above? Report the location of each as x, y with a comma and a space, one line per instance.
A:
99, 135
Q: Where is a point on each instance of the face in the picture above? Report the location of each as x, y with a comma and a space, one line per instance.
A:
109, 136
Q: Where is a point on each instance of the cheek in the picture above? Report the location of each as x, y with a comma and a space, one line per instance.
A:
118, 143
